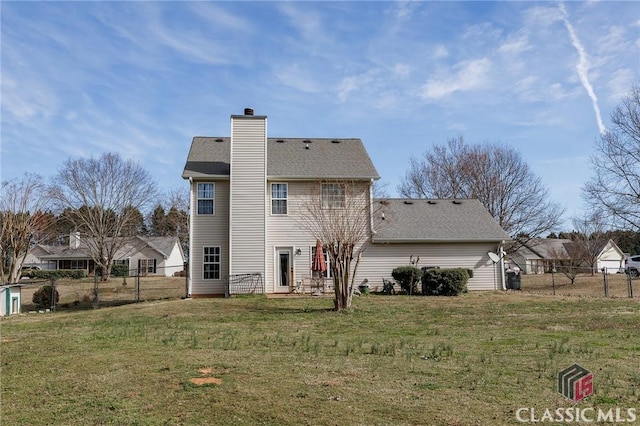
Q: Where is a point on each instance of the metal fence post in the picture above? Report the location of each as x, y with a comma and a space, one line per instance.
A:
138, 287
186, 279
629, 286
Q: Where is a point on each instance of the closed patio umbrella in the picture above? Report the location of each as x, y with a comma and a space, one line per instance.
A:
318, 266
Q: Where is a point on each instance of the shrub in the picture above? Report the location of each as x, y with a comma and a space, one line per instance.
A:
42, 297
120, 270
445, 282
408, 278
55, 274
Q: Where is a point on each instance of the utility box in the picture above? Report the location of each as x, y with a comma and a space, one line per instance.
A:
10, 299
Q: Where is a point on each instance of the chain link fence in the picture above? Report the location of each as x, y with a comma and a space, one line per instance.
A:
132, 286
579, 281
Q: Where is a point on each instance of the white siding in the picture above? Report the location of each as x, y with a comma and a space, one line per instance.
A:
247, 231
611, 259
209, 231
380, 259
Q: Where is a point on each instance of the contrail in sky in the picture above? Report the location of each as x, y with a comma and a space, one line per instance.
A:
582, 67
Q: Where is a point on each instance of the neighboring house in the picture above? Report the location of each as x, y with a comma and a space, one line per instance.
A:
246, 195
610, 258
146, 255
540, 255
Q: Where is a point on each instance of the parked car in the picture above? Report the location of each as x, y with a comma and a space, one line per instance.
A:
632, 266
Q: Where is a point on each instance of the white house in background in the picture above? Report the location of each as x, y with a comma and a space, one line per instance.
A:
147, 255
611, 258
246, 195
539, 255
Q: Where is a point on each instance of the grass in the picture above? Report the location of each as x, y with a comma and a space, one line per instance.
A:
468, 360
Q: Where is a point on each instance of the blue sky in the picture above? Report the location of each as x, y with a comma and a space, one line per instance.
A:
143, 78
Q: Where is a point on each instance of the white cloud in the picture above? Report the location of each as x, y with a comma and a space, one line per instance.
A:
298, 78
440, 52
467, 76
515, 46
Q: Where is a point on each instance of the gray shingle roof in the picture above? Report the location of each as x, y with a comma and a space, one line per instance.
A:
290, 158
437, 220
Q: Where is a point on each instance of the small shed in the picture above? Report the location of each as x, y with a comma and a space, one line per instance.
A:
10, 299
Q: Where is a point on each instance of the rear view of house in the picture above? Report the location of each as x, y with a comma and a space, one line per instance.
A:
248, 194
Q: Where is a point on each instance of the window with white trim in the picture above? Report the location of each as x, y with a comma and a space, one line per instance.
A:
211, 263
147, 266
205, 198
279, 193
333, 196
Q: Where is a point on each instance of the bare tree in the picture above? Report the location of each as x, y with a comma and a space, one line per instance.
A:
22, 222
106, 195
494, 174
616, 184
338, 213
589, 237
567, 264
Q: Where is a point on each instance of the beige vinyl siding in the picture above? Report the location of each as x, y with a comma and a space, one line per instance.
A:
287, 231
209, 231
379, 260
247, 203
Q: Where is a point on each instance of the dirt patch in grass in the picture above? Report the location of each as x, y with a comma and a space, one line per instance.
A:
206, 371
206, 381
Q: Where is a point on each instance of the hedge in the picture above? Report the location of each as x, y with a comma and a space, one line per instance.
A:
54, 274
408, 278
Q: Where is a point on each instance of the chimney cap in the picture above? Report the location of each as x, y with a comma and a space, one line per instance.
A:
248, 111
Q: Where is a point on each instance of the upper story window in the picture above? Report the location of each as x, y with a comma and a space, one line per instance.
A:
279, 192
205, 197
333, 196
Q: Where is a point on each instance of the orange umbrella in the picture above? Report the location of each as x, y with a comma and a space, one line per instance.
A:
318, 264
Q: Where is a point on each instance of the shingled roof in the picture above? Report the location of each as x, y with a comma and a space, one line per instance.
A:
287, 158
435, 220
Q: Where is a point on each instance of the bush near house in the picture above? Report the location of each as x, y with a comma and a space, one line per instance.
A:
445, 282
408, 278
54, 274
43, 297
120, 270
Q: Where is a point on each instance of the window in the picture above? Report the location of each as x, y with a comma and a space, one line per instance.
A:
333, 196
211, 263
147, 266
279, 198
205, 196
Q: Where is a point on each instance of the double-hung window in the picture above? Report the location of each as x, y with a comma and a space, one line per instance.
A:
205, 197
279, 193
211, 263
333, 196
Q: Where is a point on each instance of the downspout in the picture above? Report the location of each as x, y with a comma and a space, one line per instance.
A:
191, 210
373, 231
502, 253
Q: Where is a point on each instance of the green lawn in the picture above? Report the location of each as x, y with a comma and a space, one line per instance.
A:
393, 360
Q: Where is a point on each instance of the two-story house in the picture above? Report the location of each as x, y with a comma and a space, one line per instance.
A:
247, 193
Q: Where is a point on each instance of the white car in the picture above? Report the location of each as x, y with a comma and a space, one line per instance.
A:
632, 266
